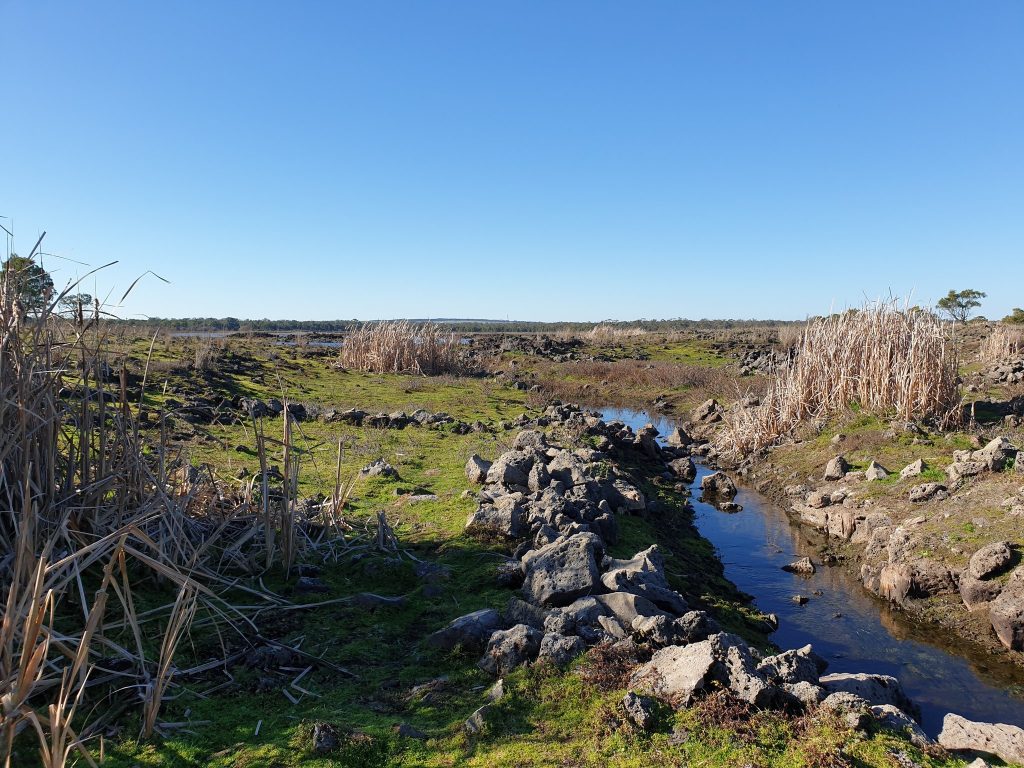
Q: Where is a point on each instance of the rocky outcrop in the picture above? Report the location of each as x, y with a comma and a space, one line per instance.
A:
1003, 741
875, 689
679, 673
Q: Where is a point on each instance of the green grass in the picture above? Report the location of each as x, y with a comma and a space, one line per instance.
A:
547, 718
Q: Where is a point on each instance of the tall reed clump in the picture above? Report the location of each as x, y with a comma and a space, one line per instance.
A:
606, 332
91, 517
883, 358
1004, 343
400, 346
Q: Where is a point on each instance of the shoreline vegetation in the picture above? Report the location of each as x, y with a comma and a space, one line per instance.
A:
235, 552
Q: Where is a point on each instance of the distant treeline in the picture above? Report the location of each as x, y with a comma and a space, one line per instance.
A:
192, 324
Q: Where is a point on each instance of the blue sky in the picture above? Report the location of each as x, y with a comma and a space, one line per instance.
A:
529, 160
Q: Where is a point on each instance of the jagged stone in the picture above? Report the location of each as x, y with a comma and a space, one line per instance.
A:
511, 469
836, 469
560, 649
962, 735
510, 648
476, 469
470, 631
803, 566
894, 719
681, 672
875, 471
506, 516
990, 560
926, 491
561, 572
639, 710
718, 485
873, 688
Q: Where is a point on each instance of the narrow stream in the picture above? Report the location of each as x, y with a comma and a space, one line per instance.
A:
854, 631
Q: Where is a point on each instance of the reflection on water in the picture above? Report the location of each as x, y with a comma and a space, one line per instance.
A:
852, 630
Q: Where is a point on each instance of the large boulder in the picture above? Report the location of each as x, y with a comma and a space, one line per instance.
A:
470, 631
895, 719
624, 496
626, 607
644, 575
511, 469
875, 471
476, 469
684, 469
913, 469
679, 673
707, 412
568, 468
990, 560
559, 649
801, 665
959, 470
995, 455
530, 440
677, 436
926, 491
930, 578
718, 485
663, 630
895, 581
511, 648
562, 571
961, 735
836, 469
976, 593
506, 516
873, 688
1006, 613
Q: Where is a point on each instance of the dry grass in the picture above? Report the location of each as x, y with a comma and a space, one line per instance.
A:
399, 346
606, 332
84, 502
884, 359
1002, 344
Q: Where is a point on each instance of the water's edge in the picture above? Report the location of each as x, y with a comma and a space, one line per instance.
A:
854, 631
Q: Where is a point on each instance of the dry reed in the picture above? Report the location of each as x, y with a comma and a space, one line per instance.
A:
1002, 344
400, 346
83, 501
606, 332
884, 359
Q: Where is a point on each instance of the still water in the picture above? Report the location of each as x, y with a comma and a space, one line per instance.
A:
854, 631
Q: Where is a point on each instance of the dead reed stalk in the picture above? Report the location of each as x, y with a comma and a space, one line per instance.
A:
400, 346
1002, 344
887, 360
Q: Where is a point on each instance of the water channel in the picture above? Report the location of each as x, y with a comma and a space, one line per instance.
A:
853, 630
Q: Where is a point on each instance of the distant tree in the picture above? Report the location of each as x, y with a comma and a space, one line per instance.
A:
33, 283
1016, 317
958, 304
70, 303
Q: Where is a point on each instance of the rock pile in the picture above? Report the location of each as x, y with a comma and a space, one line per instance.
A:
562, 506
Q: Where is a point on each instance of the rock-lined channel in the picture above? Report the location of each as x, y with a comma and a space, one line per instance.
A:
851, 630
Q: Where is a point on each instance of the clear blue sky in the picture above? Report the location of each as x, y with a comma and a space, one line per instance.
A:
530, 160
